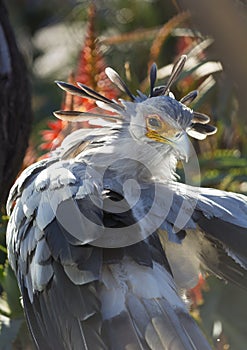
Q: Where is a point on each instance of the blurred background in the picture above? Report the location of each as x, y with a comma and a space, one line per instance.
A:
73, 41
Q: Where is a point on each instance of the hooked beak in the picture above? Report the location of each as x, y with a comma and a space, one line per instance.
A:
183, 146
178, 140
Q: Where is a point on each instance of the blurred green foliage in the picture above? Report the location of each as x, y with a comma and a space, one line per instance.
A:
51, 41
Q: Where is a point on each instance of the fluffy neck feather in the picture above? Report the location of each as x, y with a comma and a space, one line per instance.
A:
126, 157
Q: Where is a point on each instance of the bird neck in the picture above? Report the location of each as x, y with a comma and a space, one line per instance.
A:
128, 158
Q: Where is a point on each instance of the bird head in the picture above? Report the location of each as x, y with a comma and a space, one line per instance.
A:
160, 121
158, 118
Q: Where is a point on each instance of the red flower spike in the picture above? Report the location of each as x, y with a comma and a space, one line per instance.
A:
195, 294
91, 67
53, 136
90, 72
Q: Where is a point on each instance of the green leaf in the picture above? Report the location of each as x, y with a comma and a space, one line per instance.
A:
11, 291
225, 303
4, 307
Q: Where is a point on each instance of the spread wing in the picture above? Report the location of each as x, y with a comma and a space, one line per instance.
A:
77, 294
210, 227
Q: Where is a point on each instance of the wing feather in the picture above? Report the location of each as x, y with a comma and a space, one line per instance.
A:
215, 223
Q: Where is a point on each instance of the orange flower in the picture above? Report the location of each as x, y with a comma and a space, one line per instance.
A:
53, 136
195, 294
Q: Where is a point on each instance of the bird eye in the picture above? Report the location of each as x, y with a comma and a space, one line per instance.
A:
154, 122
178, 134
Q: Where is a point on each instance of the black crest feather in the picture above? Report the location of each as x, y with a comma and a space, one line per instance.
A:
153, 76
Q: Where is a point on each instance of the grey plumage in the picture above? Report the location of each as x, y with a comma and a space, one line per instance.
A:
102, 237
